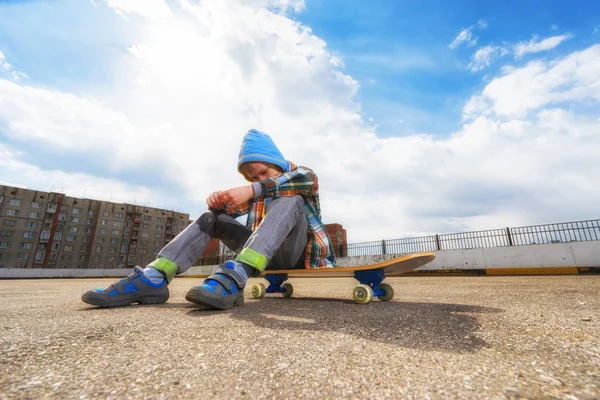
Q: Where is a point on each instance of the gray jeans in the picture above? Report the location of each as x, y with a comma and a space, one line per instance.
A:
281, 236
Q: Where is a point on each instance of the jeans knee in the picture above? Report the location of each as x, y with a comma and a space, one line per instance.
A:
206, 222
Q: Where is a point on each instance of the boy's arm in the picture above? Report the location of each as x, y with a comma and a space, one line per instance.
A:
301, 181
237, 211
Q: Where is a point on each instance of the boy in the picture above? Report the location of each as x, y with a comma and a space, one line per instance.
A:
283, 231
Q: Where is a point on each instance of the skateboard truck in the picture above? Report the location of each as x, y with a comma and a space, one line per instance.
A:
370, 285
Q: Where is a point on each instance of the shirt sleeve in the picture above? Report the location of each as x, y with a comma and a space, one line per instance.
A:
239, 211
301, 181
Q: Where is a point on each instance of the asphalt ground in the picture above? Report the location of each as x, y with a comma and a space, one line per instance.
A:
441, 337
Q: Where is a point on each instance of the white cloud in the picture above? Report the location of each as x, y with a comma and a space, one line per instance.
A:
4, 65
484, 57
155, 9
597, 29
536, 46
467, 36
574, 78
21, 174
193, 82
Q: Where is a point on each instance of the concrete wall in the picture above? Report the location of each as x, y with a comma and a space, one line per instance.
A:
559, 258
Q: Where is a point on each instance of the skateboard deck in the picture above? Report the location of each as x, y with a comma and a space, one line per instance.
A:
369, 276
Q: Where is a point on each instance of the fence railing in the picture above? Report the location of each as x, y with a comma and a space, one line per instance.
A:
564, 232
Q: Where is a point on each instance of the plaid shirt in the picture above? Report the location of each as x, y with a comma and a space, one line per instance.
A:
299, 181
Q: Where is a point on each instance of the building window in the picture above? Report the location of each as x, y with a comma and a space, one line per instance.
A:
26, 245
75, 220
144, 234
45, 235
147, 218
85, 239
31, 224
124, 249
57, 235
5, 245
68, 248
125, 241
102, 231
159, 227
111, 259
98, 258
118, 215
6, 233
62, 217
10, 222
105, 214
101, 240
70, 238
35, 204
157, 235
56, 246
143, 251
112, 250
73, 229
90, 213
99, 249
29, 235
4, 256
39, 255
75, 211
145, 226
88, 230
104, 222
113, 241
14, 202
64, 207
117, 223
116, 232
23, 256
12, 212
89, 221
34, 214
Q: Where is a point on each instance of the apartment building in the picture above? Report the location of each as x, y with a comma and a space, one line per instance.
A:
51, 230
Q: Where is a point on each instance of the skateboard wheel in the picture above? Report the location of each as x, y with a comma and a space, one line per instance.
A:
363, 294
389, 292
258, 291
289, 290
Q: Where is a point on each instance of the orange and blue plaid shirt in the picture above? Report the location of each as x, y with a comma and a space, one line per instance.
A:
298, 181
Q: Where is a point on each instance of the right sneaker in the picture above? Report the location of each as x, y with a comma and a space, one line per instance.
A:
135, 288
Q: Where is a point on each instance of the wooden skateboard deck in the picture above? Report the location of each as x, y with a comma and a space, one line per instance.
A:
369, 276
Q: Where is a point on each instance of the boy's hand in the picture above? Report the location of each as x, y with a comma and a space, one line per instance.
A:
213, 201
237, 196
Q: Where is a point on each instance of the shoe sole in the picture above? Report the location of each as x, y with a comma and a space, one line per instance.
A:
104, 301
194, 295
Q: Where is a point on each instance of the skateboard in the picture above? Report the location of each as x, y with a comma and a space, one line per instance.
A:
369, 276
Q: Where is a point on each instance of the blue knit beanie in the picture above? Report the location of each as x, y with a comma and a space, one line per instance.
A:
258, 146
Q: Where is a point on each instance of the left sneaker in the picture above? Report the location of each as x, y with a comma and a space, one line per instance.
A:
223, 290
135, 288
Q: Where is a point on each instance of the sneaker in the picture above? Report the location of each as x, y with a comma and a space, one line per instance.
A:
223, 290
136, 288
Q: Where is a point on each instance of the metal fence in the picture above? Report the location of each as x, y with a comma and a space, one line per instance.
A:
564, 232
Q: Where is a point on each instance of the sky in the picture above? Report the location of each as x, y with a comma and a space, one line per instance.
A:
419, 117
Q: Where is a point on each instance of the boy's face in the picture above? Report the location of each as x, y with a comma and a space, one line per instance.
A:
257, 171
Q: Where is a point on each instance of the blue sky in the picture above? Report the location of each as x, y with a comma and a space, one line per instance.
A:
419, 117
398, 50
